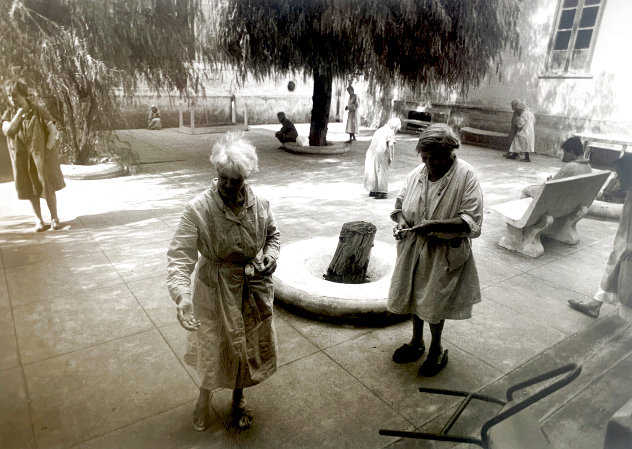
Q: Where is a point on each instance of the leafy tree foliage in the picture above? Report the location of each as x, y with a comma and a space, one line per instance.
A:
83, 55
452, 43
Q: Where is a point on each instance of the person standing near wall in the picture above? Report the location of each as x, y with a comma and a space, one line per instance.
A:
353, 119
514, 126
524, 140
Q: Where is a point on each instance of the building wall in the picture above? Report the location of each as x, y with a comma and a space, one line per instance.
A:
262, 100
562, 106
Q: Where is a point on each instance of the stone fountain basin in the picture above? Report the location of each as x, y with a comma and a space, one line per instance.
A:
299, 283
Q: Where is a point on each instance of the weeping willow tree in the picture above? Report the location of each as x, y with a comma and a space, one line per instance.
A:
417, 43
83, 55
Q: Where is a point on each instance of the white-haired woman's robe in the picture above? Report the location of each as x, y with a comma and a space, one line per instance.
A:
235, 310
436, 278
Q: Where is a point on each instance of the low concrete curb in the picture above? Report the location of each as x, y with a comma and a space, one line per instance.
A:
98, 171
335, 148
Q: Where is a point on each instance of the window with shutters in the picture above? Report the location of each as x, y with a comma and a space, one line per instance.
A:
573, 40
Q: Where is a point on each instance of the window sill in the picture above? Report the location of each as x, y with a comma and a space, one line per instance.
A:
578, 76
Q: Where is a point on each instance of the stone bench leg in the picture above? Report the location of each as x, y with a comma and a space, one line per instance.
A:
526, 240
564, 229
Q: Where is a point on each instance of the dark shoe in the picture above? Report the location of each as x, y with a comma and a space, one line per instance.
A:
242, 415
406, 353
372, 194
381, 195
583, 308
511, 155
41, 227
433, 364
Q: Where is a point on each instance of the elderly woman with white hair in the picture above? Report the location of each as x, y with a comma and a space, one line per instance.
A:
228, 304
438, 210
379, 157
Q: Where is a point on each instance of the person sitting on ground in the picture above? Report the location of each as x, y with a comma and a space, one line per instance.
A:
524, 140
229, 305
154, 118
575, 165
31, 137
617, 276
378, 159
438, 210
288, 131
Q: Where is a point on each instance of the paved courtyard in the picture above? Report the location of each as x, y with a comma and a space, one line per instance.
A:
91, 353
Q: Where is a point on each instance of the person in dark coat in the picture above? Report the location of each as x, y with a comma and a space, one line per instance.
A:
288, 132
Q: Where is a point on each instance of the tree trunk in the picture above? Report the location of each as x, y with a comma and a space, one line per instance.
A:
351, 259
321, 103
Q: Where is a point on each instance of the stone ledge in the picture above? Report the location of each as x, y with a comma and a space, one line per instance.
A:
334, 148
98, 171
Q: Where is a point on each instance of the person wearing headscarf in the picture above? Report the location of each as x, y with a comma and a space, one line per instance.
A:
524, 140
228, 240
31, 137
378, 159
438, 210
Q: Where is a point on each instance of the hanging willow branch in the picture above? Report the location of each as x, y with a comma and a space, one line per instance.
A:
81, 55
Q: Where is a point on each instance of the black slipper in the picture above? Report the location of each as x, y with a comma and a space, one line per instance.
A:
407, 353
433, 364
577, 305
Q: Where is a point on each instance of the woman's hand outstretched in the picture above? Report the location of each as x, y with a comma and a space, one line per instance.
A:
186, 316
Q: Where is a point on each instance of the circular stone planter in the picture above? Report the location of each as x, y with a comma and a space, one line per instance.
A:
98, 171
299, 283
336, 148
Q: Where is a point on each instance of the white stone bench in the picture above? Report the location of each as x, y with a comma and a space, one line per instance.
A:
554, 212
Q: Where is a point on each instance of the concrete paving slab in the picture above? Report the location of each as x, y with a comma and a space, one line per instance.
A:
66, 324
135, 262
15, 423
501, 337
547, 304
153, 296
292, 345
581, 271
9, 347
587, 412
322, 335
52, 248
4, 292
324, 408
43, 281
368, 358
468, 424
78, 396
139, 233
171, 429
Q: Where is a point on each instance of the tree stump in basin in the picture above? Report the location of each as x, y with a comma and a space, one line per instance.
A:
351, 260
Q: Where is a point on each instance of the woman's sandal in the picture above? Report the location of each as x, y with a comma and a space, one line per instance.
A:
243, 415
407, 353
433, 364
